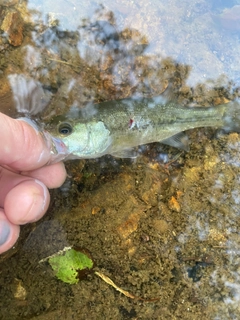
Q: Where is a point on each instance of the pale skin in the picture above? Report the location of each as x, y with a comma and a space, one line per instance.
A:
24, 178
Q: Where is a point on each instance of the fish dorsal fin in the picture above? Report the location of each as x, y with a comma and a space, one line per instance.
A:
29, 96
179, 140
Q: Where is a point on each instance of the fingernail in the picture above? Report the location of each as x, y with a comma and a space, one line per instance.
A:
44, 189
4, 232
38, 202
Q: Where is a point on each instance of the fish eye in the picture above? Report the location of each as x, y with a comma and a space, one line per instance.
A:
65, 128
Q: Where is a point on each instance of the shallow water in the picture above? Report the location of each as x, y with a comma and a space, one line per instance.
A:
164, 227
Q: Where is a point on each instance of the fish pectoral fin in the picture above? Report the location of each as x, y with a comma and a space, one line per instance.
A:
179, 140
126, 153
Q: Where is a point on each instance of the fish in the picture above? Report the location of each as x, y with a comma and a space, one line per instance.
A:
114, 127
117, 127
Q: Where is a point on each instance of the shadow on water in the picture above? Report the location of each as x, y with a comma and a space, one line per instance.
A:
164, 226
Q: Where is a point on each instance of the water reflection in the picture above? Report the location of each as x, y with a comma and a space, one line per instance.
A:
100, 58
67, 54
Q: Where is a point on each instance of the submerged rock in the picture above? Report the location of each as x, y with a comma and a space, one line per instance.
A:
13, 26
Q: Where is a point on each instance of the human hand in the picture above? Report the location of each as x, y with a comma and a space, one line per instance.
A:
24, 177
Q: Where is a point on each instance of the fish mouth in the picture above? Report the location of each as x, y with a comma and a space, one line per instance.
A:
58, 150
56, 147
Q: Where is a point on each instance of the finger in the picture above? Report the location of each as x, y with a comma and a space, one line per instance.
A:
9, 180
52, 176
24, 199
9, 233
27, 202
22, 146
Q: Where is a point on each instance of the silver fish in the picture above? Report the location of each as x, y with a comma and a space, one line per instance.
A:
116, 127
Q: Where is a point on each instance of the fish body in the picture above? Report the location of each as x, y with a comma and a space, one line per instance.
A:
116, 127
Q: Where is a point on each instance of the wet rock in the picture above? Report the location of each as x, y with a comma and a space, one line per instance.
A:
96, 210
174, 205
13, 26
8, 3
130, 225
6, 99
19, 291
160, 225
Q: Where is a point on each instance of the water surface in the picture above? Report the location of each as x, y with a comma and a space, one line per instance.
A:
164, 226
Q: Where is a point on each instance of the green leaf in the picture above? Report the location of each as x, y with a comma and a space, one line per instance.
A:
67, 265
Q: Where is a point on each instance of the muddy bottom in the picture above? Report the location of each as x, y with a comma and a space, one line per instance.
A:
164, 227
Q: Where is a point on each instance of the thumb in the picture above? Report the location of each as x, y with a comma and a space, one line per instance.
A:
23, 147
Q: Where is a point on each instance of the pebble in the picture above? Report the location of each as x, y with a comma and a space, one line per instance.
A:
13, 26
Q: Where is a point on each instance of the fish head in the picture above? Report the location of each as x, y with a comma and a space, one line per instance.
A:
56, 147
83, 140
